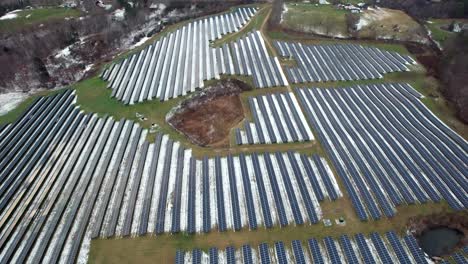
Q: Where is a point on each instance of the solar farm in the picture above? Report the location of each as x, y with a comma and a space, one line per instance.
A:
323, 138
388, 248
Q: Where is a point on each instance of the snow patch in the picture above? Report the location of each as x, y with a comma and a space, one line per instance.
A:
285, 10
88, 68
140, 42
10, 15
63, 53
372, 15
119, 14
362, 23
9, 101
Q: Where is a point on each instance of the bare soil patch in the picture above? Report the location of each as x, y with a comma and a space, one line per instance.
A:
207, 117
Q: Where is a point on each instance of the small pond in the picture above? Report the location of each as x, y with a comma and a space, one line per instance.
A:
439, 241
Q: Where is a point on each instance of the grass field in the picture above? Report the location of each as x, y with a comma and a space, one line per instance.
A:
436, 27
319, 19
27, 18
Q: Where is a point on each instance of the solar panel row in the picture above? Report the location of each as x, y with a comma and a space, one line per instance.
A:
340, 62
277, 119
94, 177
388, 248
251, 58
177, 63
387, 147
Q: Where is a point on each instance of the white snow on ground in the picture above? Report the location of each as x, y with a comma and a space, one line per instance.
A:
309, 187
372, 15
268, 191
282, 189
171, 187
80, 217
108, 179
240, 191
10, 101
270, 116
142, 191
86, 243
205, 258
340, 251
184, 190
227, 194
332, 177
255, 193
282, 118
140, 42
63, 53
48, 183
363, 21
289, 254
63, 198
198, 197
157, 185
213, 193
119, 14
117, 185
88, 68
129, 188
159, 6
297, 192
283, 12
10, 15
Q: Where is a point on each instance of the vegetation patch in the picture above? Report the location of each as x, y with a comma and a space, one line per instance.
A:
440, 28
30, 17
371, 23
317, 19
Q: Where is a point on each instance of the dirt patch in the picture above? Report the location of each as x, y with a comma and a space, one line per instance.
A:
458, 221
426, 55
383, 23
207, 117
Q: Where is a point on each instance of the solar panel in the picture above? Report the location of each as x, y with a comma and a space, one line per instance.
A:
397, 247
280, 252
298, 252
381, 249
315, 251
332, 250
415, 250
364, 249
196, 256
459, 258
214, 258
264, 254
247, 254
348, 249
230, 255
179, 259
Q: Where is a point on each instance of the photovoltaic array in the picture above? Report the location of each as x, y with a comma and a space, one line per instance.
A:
340, 62
67, 177
387, 147
278, 118
375, 248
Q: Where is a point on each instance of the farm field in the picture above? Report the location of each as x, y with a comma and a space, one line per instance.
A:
339, 133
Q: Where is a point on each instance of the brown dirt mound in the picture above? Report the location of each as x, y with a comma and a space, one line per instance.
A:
207, 117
